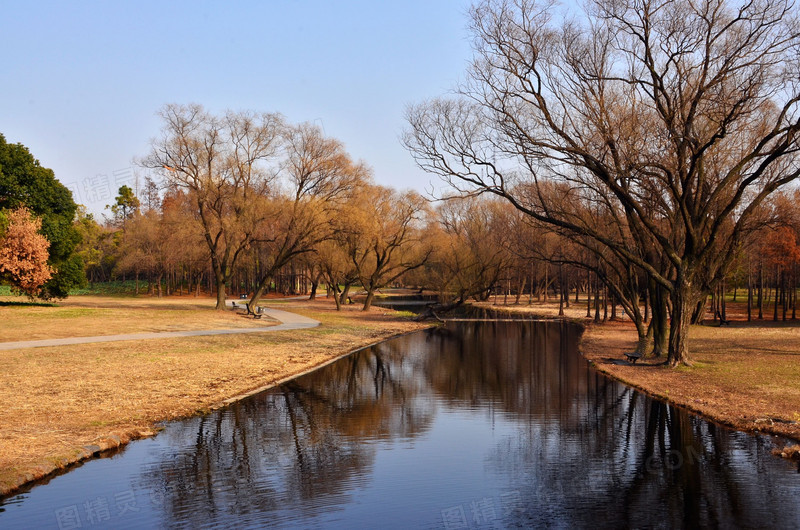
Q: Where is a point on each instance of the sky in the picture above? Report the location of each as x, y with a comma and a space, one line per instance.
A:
82, 82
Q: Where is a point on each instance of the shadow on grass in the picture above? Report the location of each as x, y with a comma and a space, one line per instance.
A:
26, 304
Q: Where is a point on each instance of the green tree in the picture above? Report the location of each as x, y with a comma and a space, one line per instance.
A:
24, 182
126, 205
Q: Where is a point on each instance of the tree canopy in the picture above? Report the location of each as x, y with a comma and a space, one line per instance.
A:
23, 251
24, 182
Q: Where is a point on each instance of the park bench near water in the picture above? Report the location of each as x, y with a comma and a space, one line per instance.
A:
633, 356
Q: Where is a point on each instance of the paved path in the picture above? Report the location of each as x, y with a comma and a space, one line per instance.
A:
287, 321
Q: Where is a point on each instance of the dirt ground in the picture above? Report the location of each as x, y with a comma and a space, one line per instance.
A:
744, 375
62, 404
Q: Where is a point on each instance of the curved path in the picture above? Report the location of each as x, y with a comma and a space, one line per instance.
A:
287, 321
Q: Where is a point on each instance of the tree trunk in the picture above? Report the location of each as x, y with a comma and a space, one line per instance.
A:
313, 294
659, 316
219, 279
521, 289
588, 295
749, 293
333, 288
777, 276
683, 299
760, 291
368, 301
530, 290
314, 285
784, 295
597, 301
344, 294
259, 291
220, 296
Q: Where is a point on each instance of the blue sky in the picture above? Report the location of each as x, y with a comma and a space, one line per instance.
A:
81, 82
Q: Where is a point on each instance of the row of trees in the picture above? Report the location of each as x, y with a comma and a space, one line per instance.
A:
635, 149
461, 249
246, 195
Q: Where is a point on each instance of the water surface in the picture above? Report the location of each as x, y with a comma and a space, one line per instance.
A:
474, 425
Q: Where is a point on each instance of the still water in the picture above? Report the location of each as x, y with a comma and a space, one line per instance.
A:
474, 425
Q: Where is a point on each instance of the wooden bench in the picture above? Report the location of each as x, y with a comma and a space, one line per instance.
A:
257, 313
633, 357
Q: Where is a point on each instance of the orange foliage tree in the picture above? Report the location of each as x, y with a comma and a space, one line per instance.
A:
781, 247
24, 252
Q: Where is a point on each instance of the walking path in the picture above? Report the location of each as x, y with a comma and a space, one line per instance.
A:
287, 321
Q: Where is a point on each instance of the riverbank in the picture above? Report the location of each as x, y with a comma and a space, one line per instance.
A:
64, 404
745, 376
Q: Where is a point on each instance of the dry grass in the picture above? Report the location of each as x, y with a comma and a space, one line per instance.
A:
57, 400
87, 316
746, 375
547, 309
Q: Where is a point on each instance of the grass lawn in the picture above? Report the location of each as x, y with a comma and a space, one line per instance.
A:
86, 316
57, 400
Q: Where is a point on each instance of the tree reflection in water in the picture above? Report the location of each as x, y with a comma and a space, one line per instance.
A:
310, 438
579, 449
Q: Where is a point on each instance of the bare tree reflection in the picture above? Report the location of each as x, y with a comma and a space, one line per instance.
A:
308, 439
586, 451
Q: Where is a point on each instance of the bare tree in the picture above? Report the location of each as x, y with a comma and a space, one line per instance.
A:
222, 162
683, 115
382, 237
319, 178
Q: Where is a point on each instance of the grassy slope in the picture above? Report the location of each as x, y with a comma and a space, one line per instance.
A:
58, 400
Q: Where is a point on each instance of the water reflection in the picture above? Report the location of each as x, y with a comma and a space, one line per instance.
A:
479, 424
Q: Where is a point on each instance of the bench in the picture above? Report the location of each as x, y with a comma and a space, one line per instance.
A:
256, 314
233, 305
633, 357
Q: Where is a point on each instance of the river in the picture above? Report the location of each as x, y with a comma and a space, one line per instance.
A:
470, 425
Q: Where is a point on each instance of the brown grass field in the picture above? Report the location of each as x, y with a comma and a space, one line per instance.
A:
87, 316
59, 400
